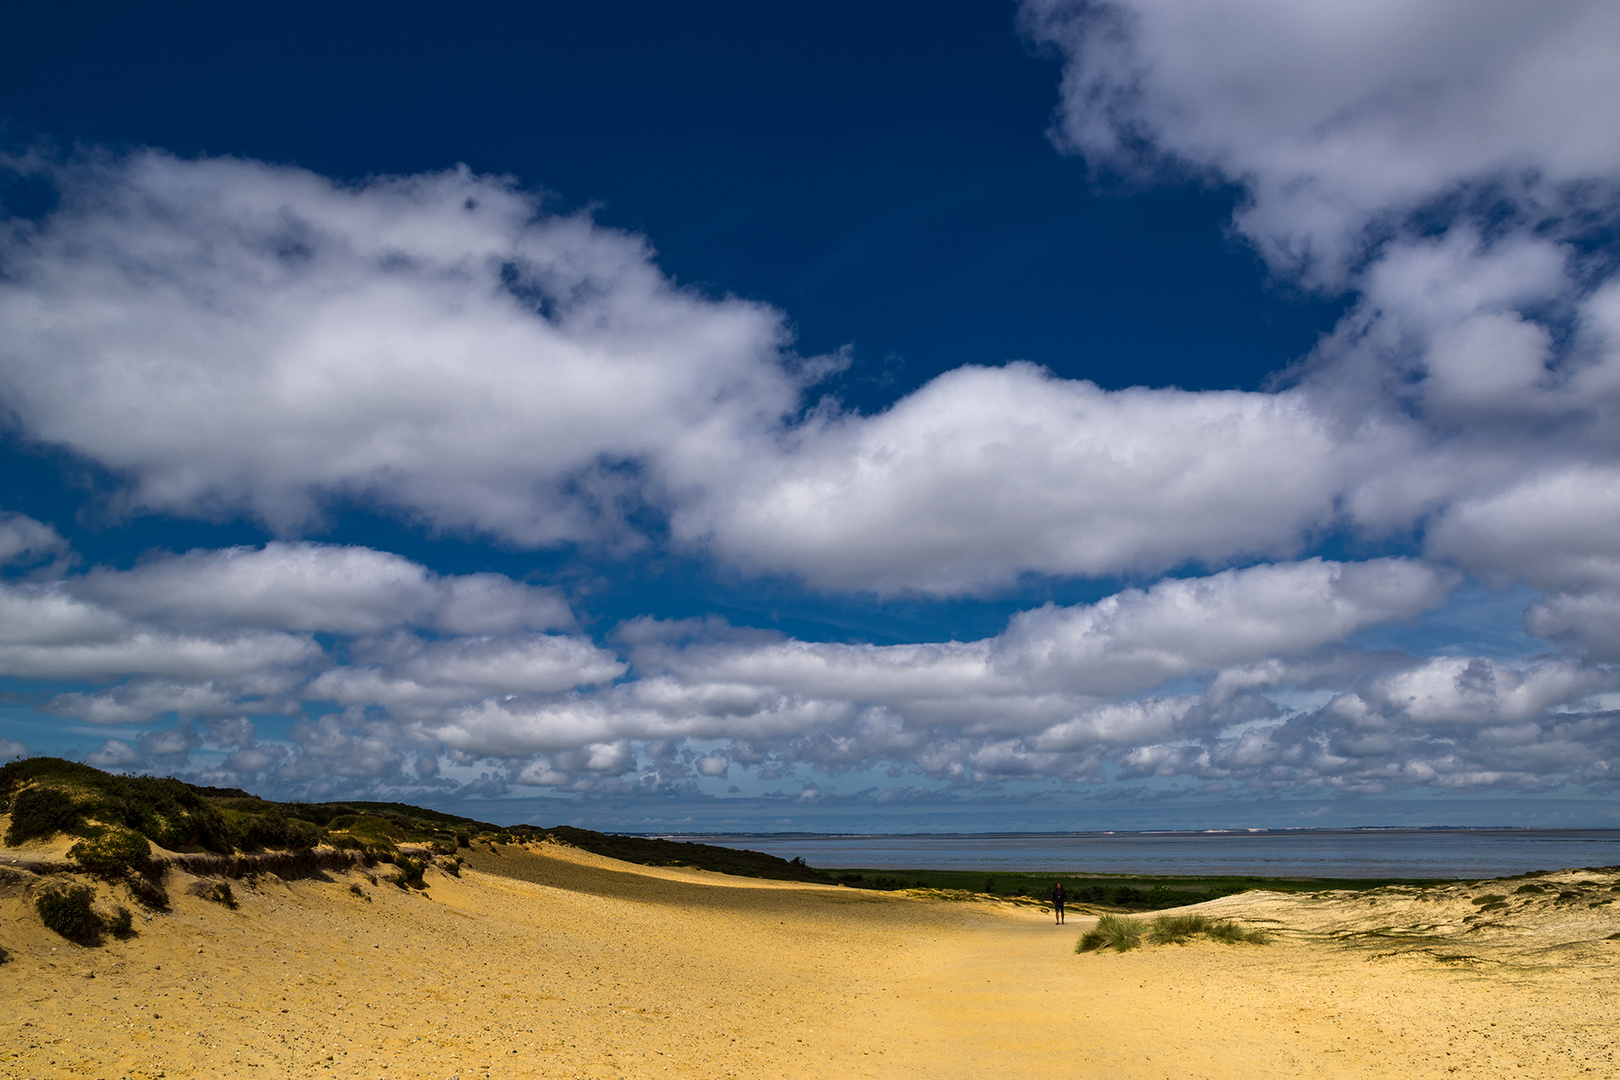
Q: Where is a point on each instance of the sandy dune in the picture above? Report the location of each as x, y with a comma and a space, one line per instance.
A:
557, 963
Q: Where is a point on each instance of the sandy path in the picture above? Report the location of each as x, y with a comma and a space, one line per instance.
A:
567, 964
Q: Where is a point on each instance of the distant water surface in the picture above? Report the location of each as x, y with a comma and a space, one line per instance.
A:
1337, 853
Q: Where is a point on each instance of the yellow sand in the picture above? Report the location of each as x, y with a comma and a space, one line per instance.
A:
557, 963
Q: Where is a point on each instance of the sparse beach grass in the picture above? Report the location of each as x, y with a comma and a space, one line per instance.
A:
1118, 932
1122, 933
1176, 929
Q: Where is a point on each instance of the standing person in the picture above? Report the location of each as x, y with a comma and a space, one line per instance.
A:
1058, 898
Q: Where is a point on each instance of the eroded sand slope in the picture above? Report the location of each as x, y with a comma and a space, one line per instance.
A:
557, 963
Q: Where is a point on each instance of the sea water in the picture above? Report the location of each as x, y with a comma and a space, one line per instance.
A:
1331, 853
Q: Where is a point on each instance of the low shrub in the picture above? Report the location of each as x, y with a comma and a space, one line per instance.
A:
410, 873
39, 813
122, 924
113, 854
1111, 932
220, 893
69, 910
147, 888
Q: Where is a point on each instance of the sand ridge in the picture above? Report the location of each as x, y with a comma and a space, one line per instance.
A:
551, 962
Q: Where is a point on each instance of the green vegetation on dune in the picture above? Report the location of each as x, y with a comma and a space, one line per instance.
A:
116, 819
48, 795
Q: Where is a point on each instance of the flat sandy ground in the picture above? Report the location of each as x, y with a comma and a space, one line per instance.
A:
557, 963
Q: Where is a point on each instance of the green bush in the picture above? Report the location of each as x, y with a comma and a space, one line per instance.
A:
113, 854
375, 831
253, 832
174, 814
1111, 932
122, 924
49, 771
410, 874
58, 796
40, 813
67, 910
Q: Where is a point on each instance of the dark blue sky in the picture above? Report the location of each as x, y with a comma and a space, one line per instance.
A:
881, 174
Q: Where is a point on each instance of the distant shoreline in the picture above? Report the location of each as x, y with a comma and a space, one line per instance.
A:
1426, 853
709, 837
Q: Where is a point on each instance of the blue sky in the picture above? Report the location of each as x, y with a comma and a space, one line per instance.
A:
813, 416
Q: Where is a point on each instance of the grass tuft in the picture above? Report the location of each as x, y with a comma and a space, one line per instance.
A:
1228, 932
1175, 929
1178, 929
1115, 932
